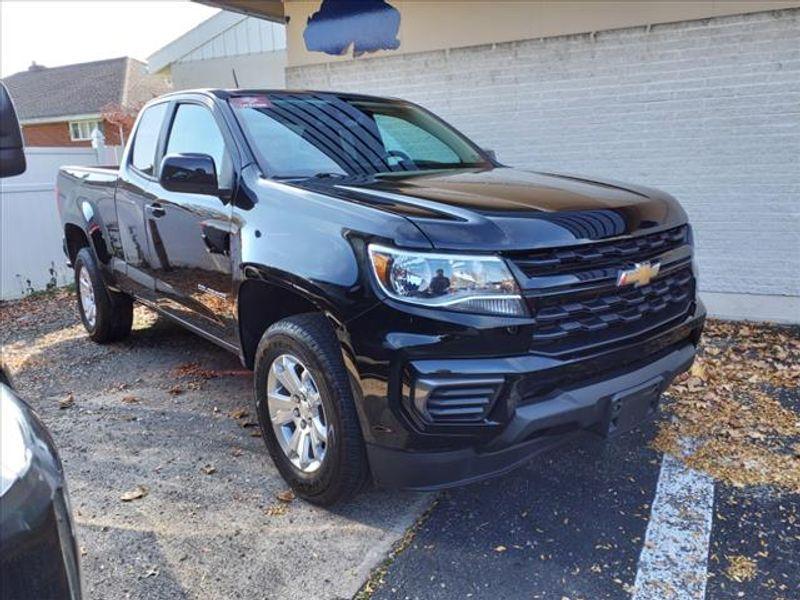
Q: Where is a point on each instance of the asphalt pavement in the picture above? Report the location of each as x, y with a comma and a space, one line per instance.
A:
574, 523
166, 417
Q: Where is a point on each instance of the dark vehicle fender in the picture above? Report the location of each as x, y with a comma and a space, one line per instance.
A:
294, 255
81, 201
268, 295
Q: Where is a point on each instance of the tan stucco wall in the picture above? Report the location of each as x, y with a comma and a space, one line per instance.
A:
264, 70
435, 25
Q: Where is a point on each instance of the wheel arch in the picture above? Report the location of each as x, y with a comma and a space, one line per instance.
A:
75, 238
261, 302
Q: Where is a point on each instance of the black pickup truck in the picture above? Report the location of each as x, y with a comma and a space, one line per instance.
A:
414, 311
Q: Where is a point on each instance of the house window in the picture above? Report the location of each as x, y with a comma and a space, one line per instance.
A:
82, 130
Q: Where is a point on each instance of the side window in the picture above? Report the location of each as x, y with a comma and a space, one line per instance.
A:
195, 130
400, 135
144, 144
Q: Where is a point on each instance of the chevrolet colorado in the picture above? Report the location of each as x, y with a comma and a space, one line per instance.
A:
414, 311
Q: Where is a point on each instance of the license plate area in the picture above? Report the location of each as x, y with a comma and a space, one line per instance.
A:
630, 408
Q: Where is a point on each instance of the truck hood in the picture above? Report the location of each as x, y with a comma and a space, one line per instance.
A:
508, 209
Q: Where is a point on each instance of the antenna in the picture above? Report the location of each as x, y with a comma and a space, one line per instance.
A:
235, 79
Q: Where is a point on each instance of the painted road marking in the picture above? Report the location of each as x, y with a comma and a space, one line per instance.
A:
673, 564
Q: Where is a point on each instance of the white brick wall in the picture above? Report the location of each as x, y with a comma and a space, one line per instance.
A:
707, 110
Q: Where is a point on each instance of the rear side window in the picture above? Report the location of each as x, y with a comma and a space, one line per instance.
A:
194, 130
144, 144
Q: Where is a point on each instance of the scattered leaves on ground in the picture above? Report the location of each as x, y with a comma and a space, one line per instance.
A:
193, 370
727, 416
136, 493
277, 510
741, 568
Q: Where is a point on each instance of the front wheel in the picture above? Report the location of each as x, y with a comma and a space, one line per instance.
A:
106, 315
306, 410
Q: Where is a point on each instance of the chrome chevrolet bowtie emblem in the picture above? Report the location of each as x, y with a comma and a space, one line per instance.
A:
641, 274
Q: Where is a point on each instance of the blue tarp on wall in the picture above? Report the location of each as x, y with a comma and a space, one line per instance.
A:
366, 25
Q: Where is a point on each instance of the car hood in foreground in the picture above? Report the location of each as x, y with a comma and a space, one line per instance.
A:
508, 209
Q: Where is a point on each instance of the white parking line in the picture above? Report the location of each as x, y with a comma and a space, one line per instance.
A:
673, 564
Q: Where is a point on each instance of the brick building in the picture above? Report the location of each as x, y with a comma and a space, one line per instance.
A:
698, 98
61, 106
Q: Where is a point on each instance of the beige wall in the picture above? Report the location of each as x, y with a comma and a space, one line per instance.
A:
263, 70
435, 25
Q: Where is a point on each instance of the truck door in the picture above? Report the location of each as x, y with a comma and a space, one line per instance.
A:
136, 189
189, 234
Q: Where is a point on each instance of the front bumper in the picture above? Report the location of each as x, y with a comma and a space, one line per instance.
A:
533, 429
543, 402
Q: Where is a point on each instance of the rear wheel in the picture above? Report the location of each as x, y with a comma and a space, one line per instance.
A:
306, 410
106, 315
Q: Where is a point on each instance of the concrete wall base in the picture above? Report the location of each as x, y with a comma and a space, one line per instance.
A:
752, 307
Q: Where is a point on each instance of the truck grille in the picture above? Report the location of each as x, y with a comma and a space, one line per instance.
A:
577, 305
601, 254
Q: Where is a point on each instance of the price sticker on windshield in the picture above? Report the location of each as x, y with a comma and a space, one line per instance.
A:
250, 102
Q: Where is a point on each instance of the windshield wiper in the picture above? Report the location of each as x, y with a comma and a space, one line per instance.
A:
322, 175
329, 175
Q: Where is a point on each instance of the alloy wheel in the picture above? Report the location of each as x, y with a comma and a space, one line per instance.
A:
297, 413
86, 292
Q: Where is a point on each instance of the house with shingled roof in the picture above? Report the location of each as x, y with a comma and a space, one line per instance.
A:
62, 106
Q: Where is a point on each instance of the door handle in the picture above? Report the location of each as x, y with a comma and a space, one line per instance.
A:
156, 210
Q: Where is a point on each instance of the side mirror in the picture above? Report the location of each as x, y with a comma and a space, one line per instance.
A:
491, 154
189, 173
12, 155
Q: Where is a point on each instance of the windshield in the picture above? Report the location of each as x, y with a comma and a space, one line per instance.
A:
325, 135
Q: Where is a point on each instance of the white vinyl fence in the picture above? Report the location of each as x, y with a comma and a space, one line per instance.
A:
31, 258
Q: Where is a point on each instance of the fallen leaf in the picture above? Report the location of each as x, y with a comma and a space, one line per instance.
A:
130, 399
67, 402
285, 496
741, 568
208, 469
139, 491
175, 390
500, 548
237, 452
276, 510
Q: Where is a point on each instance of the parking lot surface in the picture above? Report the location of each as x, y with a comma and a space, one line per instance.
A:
166, 416
175, 496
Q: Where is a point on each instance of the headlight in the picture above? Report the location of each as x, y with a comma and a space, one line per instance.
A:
474, 284
15, 455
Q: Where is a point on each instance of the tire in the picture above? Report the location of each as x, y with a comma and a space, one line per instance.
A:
113, 311
344, 470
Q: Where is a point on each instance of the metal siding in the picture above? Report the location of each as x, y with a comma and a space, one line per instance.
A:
249, 36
